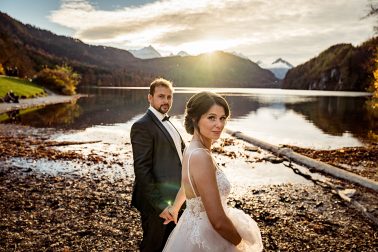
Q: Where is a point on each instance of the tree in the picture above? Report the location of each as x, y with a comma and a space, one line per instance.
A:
2, 71
373, 102
61, 79
373, 12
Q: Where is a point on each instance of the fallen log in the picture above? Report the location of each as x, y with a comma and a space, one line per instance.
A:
65, 143
308, 162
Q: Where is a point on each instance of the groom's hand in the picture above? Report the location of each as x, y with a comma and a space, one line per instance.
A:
166, 216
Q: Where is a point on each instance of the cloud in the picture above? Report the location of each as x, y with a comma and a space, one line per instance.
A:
253, 27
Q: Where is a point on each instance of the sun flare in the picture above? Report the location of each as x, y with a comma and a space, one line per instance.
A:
207, 46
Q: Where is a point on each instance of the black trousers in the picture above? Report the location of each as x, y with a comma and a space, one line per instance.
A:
155, 233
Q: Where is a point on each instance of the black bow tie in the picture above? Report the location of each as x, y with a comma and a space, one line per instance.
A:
166, 118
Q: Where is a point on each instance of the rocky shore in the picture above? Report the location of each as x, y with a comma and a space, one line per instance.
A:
44, 212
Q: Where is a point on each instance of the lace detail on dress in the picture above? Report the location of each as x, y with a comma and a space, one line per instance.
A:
224, 185
195, 210
195, 205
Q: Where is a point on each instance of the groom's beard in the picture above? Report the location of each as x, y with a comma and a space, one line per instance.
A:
164, 108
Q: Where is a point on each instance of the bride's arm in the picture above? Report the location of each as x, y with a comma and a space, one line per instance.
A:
179, 200
203, 173
170, 213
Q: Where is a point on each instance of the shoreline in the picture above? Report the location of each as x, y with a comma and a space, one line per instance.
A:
38, 102
39, 211
310, 159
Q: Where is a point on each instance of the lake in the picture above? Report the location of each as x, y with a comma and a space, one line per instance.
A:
315, 119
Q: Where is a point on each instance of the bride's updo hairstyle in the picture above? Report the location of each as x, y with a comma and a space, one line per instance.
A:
198, 105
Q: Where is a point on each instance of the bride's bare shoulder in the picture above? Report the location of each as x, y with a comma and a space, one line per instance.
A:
197, 154
200, 159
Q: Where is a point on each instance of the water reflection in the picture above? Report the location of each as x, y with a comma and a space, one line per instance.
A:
337, 115
280, 116
56, 116
64, 114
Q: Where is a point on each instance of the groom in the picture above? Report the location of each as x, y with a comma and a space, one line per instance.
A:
157, 151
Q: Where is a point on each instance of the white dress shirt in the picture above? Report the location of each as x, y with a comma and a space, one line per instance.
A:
171, 130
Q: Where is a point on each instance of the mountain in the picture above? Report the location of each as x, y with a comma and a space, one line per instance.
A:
282, 63
217, 69
146, 53
279, 67
340, 67
239, 55
183, 54
29, 49
180, 53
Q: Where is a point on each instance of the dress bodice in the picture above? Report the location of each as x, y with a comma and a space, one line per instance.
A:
195, 211
195, 205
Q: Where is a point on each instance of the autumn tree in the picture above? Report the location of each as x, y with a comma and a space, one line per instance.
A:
374, 85
2, 71
61, 79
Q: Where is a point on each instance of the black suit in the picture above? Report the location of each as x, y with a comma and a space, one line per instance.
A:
157, 168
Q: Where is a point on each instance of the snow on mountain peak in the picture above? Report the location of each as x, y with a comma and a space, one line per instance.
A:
146, 53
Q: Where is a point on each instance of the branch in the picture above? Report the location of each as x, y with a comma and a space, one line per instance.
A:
64, 143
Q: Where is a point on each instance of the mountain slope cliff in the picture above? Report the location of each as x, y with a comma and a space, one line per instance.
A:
340, 67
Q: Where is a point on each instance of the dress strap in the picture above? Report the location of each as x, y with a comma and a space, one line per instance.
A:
190, 180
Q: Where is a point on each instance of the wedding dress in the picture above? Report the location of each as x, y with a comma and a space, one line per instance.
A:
194, 232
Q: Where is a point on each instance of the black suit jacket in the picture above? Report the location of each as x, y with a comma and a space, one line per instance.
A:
157, 165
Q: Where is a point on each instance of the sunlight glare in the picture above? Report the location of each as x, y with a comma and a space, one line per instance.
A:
208, 46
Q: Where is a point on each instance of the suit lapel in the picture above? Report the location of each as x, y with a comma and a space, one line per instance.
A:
162, 128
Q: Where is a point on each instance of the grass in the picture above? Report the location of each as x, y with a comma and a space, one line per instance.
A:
22, 88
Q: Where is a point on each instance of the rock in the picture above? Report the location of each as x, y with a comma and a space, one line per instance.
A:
251, 148
273, 159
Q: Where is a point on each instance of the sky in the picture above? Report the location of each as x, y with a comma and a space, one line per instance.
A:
262, 30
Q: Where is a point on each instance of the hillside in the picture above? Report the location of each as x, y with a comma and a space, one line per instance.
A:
212, 70
340, 67
29, 49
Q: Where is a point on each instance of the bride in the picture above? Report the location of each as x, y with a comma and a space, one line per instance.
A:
207, 224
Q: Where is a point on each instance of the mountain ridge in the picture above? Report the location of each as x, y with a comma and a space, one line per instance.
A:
280, 60
148, 52
30, 49
278, 67
340, 67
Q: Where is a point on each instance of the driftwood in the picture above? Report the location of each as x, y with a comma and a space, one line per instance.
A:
344, 194
65, 143
308, 162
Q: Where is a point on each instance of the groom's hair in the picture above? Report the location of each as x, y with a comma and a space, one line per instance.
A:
158, 83
198, 105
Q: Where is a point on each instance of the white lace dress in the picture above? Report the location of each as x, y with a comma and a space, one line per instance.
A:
194, 231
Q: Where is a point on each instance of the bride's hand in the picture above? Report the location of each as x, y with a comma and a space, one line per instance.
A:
173, 213
242, 246
166, 216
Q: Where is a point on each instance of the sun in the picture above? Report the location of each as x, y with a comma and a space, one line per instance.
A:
207, 46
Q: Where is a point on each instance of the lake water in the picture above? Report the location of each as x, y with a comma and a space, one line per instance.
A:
316, 119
